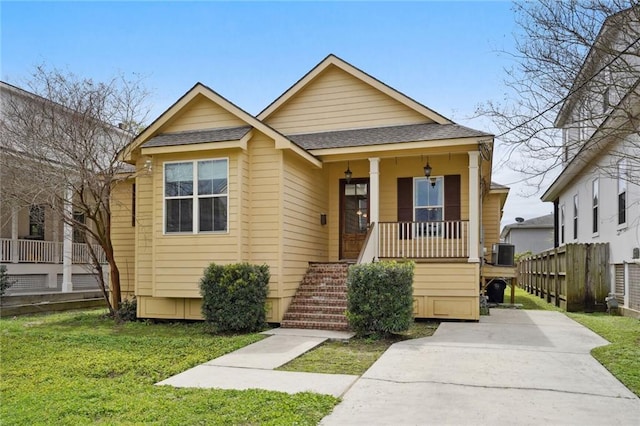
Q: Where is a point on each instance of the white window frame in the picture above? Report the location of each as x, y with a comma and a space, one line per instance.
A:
622, 189
195, 228
562, 224
575, 217
595, 207
429, 229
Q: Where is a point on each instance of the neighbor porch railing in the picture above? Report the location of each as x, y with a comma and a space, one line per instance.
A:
33, 251
423, 240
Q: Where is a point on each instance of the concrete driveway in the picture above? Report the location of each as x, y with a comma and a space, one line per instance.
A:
512, 367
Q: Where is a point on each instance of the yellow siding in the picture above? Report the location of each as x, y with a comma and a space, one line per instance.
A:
336, 100
201, 113
179, 259
446, 290
304, 238
491, 215
144, 232
123, 234
265, 208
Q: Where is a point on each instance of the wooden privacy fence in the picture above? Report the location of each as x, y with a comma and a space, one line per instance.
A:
574, 277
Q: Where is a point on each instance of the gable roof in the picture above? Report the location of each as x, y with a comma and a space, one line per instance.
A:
540, 222
384, 135
332, 60
200, 89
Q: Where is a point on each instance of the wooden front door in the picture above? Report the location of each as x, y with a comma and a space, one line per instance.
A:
354, 216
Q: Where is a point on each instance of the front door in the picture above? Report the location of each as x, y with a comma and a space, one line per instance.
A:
354, 216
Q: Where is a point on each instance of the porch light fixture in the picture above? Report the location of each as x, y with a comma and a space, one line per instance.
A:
148, 165
348, 174
427, 169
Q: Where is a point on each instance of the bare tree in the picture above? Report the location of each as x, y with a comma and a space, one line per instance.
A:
61, 141
573, 55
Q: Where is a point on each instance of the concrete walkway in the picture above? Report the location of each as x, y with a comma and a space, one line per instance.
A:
252, 367
512, 368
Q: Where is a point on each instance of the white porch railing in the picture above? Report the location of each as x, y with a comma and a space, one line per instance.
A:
33, 251
423, 240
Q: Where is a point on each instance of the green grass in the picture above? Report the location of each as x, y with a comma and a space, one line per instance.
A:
81, 368
529, 301
622, 356
356, 355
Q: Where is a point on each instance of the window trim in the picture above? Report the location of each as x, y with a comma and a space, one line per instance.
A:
562, 224
195, 229
575, 217
595, 207
419, 231
621, 182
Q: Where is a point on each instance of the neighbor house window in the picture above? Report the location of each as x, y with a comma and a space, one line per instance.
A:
428, 205
595, 203
36, 221
622, 192
78, 228
196, 196
562, 224
575, 217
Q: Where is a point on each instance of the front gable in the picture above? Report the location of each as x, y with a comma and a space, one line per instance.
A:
337, 96
201, 113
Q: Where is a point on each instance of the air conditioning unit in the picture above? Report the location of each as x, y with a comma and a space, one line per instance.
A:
503, 254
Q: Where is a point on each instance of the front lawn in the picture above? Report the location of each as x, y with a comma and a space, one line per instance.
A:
81, 368
356, 355
622, 356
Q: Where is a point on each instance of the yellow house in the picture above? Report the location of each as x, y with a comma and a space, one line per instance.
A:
333, 171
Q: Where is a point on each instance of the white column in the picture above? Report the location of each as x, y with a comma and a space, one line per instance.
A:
474, 207
15, 212
67, 243
374, 199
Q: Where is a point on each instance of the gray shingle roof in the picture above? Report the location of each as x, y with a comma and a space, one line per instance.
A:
545, 221
198, 136
384, 135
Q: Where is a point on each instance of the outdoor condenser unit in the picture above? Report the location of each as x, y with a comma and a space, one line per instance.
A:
502, 254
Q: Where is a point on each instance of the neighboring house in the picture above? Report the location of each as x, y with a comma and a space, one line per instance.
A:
32, 242
531, 235
597, 195
332, 171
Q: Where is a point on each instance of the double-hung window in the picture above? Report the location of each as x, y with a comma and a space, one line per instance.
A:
196, 196
428, 205
622, 192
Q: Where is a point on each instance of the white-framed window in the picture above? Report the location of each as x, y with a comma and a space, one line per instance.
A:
595, 205
575, 217
196, 196
428, 205
622, 192
562, 221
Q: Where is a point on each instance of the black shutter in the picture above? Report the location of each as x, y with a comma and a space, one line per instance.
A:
405, 205
452, 204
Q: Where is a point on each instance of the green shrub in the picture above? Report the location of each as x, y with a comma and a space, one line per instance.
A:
234, 297
5, 283
380, 297
128, 310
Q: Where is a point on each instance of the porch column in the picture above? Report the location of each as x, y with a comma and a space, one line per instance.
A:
474, 207
374, 199
67, 243
15, 254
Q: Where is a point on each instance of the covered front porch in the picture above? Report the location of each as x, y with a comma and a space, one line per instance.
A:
43, 255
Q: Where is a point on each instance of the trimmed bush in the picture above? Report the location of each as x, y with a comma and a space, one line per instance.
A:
234, 297
380, 297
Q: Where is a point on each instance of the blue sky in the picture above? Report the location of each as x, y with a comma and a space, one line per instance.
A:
445, 55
